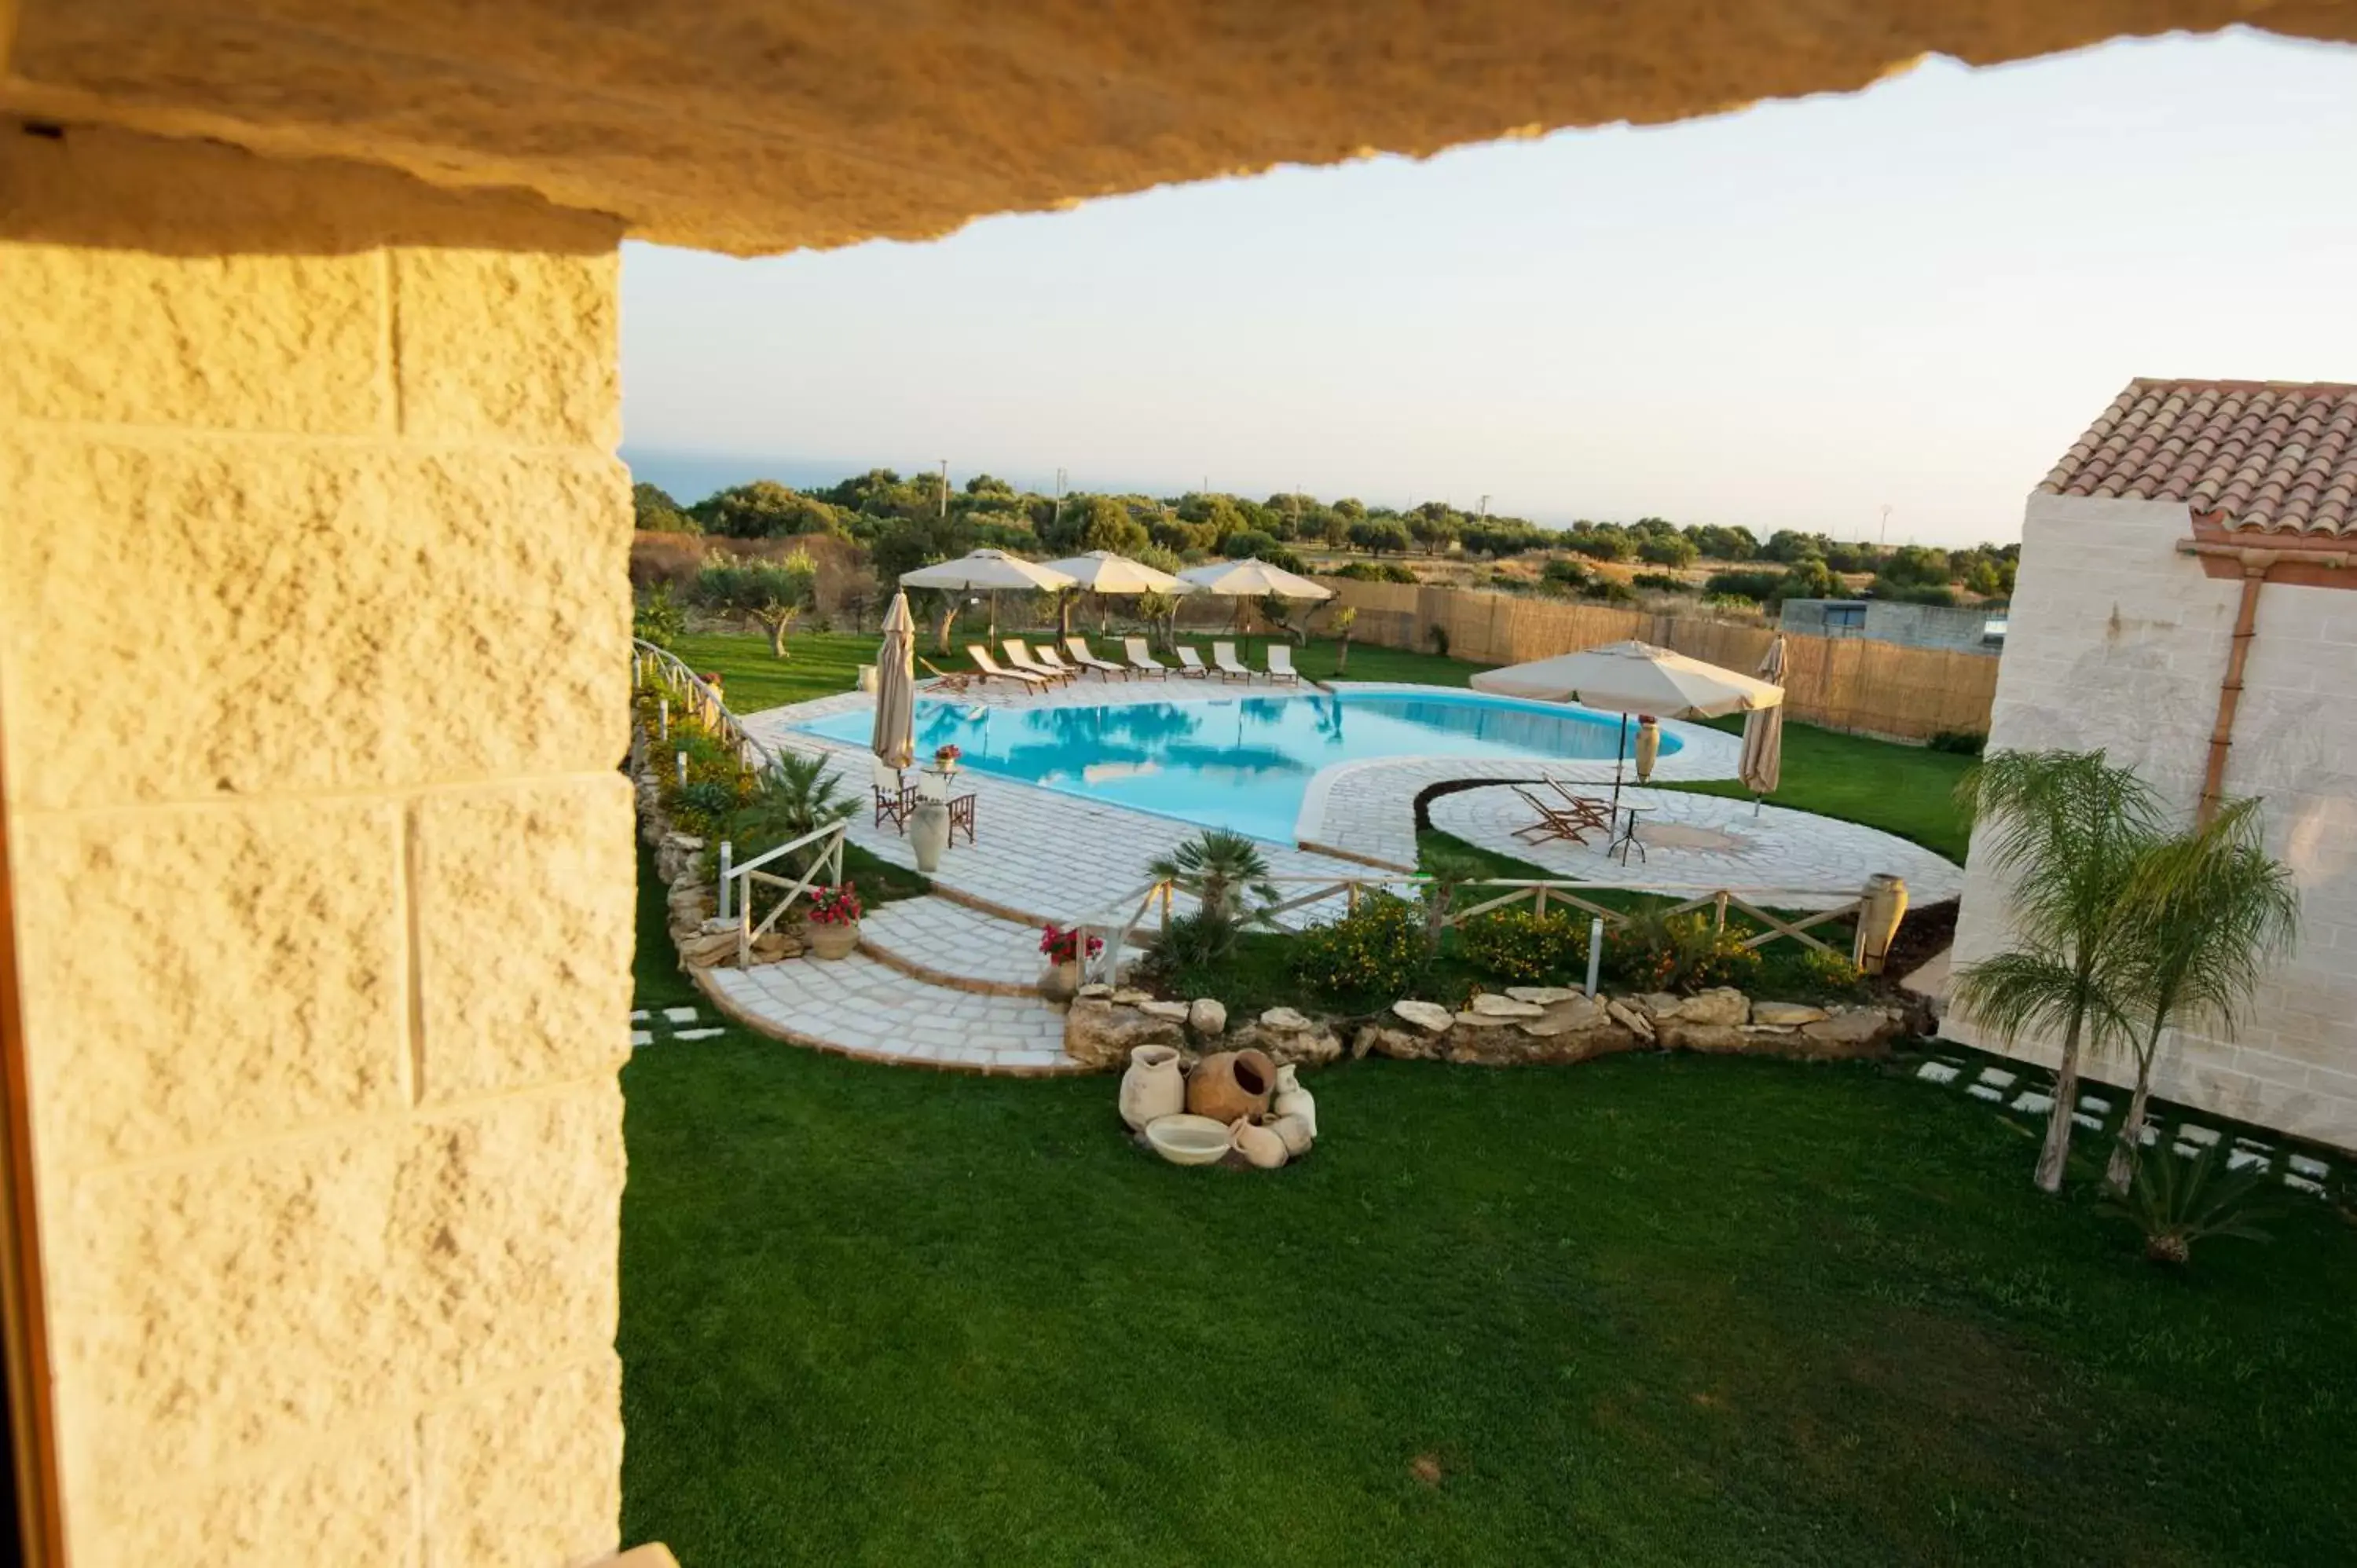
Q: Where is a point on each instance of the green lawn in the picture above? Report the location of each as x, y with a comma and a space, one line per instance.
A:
1646, 1310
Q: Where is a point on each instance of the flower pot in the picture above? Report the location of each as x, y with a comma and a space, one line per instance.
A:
1061, 982
929, 833
831, 941
1262, 1147
1291, 1100
1151, 1088
1229, 1084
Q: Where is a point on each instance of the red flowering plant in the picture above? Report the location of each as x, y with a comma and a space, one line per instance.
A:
1064, 946
947, 755
835, 905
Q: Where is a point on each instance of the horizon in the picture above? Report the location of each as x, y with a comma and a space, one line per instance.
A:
1943, 281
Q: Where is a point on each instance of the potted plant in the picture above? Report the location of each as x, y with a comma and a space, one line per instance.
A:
1061, 978
834, 922
945, 757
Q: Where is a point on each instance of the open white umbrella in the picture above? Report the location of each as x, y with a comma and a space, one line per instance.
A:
988, 571
1632, 678
1254, 579
1103, 572
1761, 768
895, 736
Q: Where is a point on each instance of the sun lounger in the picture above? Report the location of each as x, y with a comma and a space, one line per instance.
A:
991, 672
1046, 657
1555, 822
1141, 661
1280, 663
1190, 665
945, 682
1078, 646
1231, 667
1021, 657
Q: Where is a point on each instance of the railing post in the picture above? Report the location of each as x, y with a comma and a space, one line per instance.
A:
683, 770
1720, 922
727, 852
1540, 901
662, 708
1165, 908
1595, 952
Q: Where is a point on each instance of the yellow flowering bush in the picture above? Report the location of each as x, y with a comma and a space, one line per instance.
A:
1378, 949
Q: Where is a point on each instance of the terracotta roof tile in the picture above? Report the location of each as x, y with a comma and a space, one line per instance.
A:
2273, 455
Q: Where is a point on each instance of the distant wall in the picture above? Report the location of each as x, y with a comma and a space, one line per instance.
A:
1845, 682
1959, 628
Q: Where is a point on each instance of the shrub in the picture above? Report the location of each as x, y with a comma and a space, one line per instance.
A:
708, 798
655, 618
1662, 582
1378, 949
1190, 944
1438, 634
1961, 742
741, 583
1680, 952
1564, 572
1832, 973
1757, 587
2177, 1201
1667, 551
1526, 947
1612, 590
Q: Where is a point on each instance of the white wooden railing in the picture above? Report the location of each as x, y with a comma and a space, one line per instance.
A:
1110, 925
695, 695
739, 880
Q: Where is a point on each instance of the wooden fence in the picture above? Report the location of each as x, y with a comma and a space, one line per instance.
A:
1843, 682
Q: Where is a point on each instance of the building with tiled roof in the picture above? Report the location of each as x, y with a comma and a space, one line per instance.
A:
2180, 606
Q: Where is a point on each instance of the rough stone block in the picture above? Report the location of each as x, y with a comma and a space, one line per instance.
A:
351, 1501
524, 934
206, 975
508, 1219
308, 618
530, 1475
510, 346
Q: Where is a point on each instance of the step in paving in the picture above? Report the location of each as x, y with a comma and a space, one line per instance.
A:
861, 1006
954, 945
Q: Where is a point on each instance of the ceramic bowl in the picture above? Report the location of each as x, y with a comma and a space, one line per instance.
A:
1186, 1140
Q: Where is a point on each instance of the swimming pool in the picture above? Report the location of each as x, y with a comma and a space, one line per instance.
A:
1241, 762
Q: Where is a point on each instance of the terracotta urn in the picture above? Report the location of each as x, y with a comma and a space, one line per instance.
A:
1151, 1088
1262, 1147
1649, 746
1061, 982
1229, 1084
1291, 1100
831, 941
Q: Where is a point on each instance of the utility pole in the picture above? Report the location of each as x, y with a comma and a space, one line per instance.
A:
1886, 525
945, 488
1485, 508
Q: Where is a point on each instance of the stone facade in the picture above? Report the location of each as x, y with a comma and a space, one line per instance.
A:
1957, 628
2118, 642
312, 615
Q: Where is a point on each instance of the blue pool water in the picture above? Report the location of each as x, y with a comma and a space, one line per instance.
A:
1241, 763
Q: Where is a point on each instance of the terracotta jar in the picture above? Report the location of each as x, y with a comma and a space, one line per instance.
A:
1229, 1084
832, 941
1291, 1100
1262, 1147
1293, 1131
1151, 1088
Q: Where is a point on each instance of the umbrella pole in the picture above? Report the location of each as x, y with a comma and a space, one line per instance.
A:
1618, 752
994, 618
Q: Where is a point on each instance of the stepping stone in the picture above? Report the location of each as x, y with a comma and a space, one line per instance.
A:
642, 1037
1983, 1091
2205, 1136
2036, 1104
2190, 1151
2243, 1159
1936, 1072
679, 1014
2096, 1103
2314, 1169
638, 1017
695, 1034
2304, 1185
2148, 1136
2254, 1143
1997, 1076
2092, 1124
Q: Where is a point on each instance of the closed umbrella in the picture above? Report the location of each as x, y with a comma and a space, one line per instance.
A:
989, 571
1632, 678
1761, 768
894, 741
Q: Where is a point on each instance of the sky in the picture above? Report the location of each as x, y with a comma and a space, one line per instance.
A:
1915, 297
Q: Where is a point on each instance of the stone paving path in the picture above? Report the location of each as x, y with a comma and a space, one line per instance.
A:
954, 945
1706, 841
861, 1007
2099, 1111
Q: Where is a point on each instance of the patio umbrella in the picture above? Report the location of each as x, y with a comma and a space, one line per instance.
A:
1252, 579
1632, 678
1109, 576
1762, 765
895, 739
989, 569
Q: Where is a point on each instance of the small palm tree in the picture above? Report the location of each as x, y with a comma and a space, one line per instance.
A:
2210, 909
2178, 1199
1220, 867
2072, 830
798, 794
1342, 623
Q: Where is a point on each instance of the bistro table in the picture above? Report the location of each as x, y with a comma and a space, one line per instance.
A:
937, 785
1628, 840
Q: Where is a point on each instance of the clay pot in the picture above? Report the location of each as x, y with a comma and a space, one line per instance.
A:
1649, 746
1291, 1100
1061, 982
831, 941
1293, 1131
1229, 1084
1262, 1147
1151, 1088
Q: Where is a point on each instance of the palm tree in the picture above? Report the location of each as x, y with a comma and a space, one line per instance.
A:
796, 795
2210, 909
1219, 867
2071, 830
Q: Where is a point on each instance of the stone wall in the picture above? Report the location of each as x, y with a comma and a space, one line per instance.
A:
1958, 628
2117, 642
312, 621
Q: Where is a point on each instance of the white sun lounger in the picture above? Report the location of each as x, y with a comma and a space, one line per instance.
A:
1190, 665
1046, 657
1141, 661
1280, 663
1231, 667
991, 672
1078, 646
1021, 657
